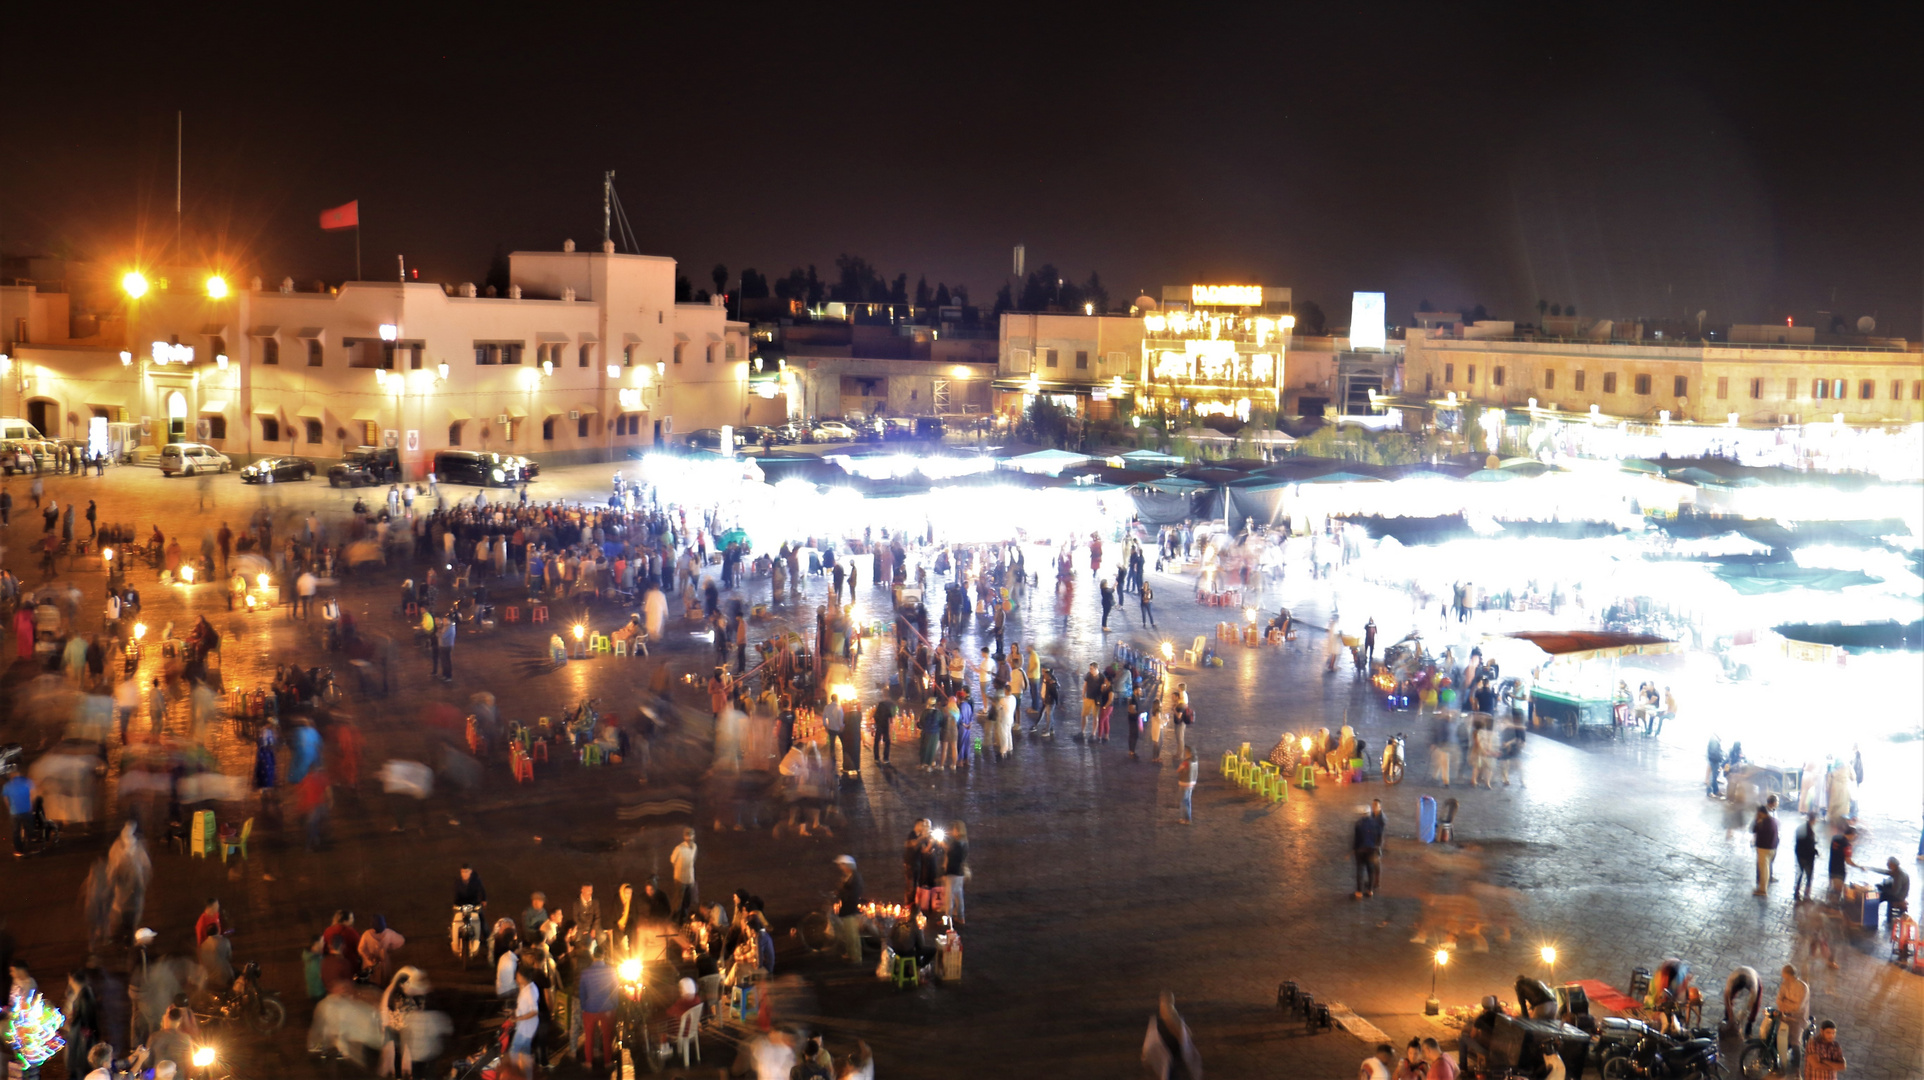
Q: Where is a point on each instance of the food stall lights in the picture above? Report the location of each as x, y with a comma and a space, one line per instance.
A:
630, 970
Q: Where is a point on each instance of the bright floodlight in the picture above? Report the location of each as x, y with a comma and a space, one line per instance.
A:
203, 1056
217, 288
1442, 957
630, 970
389, 331
579, 631
1549, 954
134, 284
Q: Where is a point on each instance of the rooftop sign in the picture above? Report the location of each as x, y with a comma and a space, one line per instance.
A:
1227, 295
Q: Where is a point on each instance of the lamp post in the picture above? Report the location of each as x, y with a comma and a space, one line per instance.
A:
134, 284
1442, 958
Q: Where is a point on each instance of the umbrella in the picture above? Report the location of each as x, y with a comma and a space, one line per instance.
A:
732, 536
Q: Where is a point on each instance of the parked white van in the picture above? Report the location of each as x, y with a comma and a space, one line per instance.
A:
187, 458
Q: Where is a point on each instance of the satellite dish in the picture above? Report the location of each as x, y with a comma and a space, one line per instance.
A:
1866, 324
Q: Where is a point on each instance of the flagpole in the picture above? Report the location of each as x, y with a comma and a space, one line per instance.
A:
357, 244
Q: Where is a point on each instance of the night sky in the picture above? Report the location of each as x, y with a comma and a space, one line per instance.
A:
1740, 160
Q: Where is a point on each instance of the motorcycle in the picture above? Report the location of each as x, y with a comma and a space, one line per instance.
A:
1758, 1058
1661, 1057
260, 1010
1393, 760
465, 935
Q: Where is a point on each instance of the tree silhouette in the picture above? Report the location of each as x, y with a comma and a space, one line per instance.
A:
719, 275
923, 297
1309, 318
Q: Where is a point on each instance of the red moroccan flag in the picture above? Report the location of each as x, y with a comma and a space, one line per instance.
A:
344, 216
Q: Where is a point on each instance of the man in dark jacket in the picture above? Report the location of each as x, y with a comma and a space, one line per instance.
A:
1763, 830
1367, 849
1805, 847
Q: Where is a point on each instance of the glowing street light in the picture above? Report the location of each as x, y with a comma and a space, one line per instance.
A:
630, 970
217, 289
140, 630
389, 331
134, 284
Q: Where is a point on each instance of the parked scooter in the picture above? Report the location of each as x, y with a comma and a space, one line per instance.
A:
1393, 760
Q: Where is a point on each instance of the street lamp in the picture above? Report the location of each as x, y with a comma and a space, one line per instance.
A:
1432, 1007
134, 284
217, 287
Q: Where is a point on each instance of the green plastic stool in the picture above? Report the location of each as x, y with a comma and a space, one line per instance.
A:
1307, 777
905, 973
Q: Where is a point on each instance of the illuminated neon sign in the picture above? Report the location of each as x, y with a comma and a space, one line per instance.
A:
1227, 295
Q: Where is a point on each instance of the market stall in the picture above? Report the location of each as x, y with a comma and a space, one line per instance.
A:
1573, 689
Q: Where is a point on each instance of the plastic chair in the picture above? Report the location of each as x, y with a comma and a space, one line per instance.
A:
1193, 654
511, 614
904, 972
1229, 764
237, 845
688, 1035
538, 613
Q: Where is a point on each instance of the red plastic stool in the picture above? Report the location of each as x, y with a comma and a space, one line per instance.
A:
512, 614
538, 613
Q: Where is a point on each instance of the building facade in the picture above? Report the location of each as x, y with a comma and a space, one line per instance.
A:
1744, 384
586, 358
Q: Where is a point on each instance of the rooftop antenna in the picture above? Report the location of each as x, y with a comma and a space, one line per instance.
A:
180, 128
615, 218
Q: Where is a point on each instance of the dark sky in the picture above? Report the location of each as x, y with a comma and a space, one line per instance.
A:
1739, 159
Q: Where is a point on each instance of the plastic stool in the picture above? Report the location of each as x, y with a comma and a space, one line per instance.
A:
539, 750
538, 613
621, 646
412, 610
1306, 778
511, 614
905, 972
1229, 764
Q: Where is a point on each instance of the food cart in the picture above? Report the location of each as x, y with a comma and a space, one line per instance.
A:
1572, 689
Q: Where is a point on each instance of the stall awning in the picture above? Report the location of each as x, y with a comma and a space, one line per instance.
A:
310, 412
367, 414
214, 405
1595, 644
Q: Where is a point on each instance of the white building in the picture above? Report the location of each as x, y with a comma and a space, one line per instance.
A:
587, 357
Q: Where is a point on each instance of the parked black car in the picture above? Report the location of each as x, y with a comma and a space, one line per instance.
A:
274, 470
475, 467
366, 465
